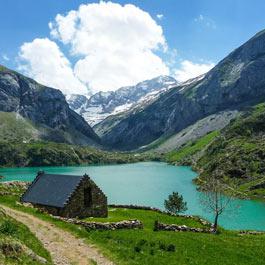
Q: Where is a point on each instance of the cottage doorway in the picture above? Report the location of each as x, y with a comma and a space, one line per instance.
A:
87, 197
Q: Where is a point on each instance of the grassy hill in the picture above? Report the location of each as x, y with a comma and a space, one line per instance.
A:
15, 128
18, 245
146, 246
188, 153
21, 144
238, 154
56, 154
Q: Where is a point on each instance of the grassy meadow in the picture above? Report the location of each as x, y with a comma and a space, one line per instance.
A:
145, 246
184, 155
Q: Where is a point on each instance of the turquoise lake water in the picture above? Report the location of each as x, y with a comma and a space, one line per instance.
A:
150, 183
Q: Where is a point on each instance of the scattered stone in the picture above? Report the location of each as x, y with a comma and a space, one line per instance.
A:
26, 204
12, 187
16, 184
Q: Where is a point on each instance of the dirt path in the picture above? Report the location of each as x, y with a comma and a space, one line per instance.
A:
65, 248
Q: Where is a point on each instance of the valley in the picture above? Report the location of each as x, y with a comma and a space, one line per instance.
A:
185, 134
185, 123
132, 132
148, 184
146, 245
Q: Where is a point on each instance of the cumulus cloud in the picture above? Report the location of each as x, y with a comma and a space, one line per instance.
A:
115, 44
42, 60
188, 70
112, 45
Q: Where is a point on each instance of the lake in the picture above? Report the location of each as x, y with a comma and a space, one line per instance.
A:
149, 184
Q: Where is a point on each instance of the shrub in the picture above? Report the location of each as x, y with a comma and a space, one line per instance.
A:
8, 228
10, 247
175, 203
162, 246
171, 248
137, 249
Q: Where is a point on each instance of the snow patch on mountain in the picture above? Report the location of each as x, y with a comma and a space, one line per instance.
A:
99, 106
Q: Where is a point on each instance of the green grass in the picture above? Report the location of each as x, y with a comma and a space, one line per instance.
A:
14, 235
11, 190
59, 154
148, 247
238, 154
191, 148
21, 146
147, 217
14, 127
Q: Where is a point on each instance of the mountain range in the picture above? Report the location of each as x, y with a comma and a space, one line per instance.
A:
158, 114
236, 82
100, 105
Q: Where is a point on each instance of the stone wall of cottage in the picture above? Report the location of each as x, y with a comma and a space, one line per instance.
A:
48, 209
76, 205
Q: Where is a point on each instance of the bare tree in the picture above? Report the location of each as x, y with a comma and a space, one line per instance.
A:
213, 197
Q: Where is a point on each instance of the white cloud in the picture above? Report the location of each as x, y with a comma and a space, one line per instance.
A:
42, 60
160, 16
189, 70
112, 46
116, 44
113, 71
205, 21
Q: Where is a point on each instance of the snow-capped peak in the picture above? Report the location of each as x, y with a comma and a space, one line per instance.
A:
102, 104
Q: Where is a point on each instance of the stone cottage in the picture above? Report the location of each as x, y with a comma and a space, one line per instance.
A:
67, 196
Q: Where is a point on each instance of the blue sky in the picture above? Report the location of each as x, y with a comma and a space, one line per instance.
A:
201, 32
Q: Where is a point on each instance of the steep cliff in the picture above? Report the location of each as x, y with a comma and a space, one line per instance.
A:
45, 107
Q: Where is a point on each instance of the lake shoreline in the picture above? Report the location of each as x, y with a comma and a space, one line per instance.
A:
149, 184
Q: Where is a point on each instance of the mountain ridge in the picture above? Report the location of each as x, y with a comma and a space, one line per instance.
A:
101, 105
45, 107
235, 82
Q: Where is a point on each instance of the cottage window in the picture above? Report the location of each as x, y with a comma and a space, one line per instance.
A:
87, 197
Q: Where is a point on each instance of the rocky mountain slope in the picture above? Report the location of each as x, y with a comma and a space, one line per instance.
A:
237, 81
43, 109
99, 106
108, 123
214, 122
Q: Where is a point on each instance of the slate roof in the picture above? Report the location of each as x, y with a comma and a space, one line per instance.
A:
51, 190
